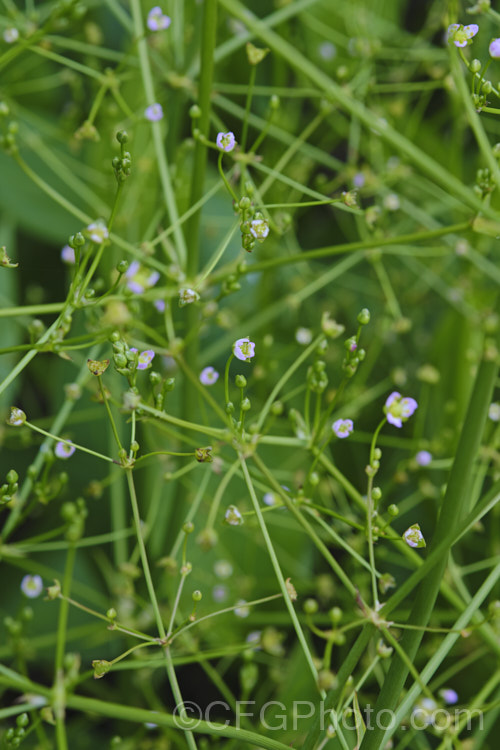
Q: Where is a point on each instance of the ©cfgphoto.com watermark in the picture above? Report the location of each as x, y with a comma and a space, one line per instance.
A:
276, 716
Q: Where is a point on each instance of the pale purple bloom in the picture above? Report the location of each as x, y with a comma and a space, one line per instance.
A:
494, 49
160, 305
188, 296
460, 35
303, 336
154, 112
64, 450
327, 51
223, 569
32, 586
232, 516
399, 409
11, 35
220, 593
139, 278
358, 180
225, 141
157, 20
449, 696
269, 499
259, 228
244, 349
423, 458
494, 412
414, 537
98, 231
68, 255
242, 610
144, 359
343, 427
209, 376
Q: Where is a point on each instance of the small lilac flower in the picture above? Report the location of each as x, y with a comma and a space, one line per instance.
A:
188, 296
269, 499
232, 516
342, 427
244, 349
494, 49
254, 638
391, 202
209, 376
414, 537
399, 409
242, 610
139, 278
64, 450
494, 411
32, 586
16, 417
358, 180
68, 255
226, 141
157, 20
160, 305
423, 458
144, 359
11, 35
303, 336
461, 35
154, 112
449, 696
223, 569
98, 231
259, 228
220, 593
327, 51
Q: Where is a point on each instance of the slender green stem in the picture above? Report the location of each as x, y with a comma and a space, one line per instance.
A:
209, 33
248, 104
143, 555
277, 570
62, 623
224, 178
68, 442
191, 742
157, 130
141, 715
211, 431
226, 377
380, 243
454, 503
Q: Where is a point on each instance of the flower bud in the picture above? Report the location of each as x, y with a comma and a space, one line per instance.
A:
310, 606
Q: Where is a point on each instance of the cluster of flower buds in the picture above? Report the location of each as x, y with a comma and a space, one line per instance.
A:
122, 164
128, 359
8, 137
14, 736
253, 226
485, 183
354, 355
165, 386
230, 284
317, 379
74, 514
372, 468
9, 489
